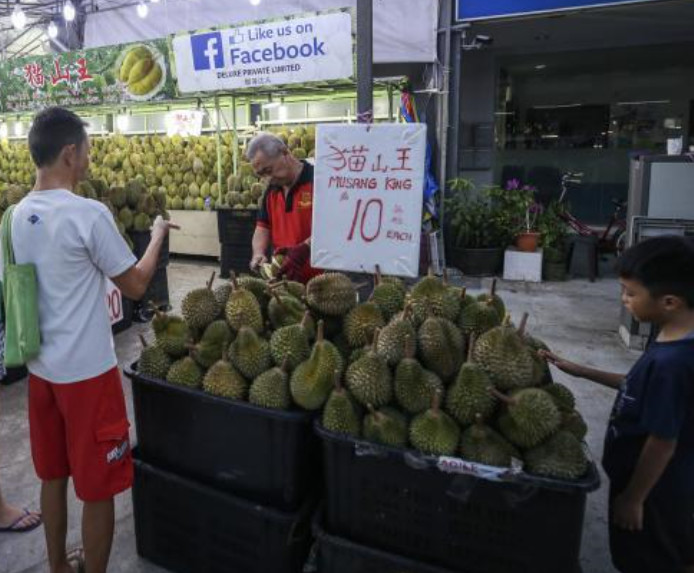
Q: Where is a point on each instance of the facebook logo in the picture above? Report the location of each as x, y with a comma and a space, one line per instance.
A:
208, 53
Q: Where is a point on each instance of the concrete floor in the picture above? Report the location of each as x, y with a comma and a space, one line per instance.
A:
577, 319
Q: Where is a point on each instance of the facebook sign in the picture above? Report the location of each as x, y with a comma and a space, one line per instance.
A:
208, 53
489, 9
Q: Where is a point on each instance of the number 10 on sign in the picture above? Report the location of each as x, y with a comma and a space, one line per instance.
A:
368, 197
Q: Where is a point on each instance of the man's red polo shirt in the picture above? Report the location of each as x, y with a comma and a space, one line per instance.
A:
289, 219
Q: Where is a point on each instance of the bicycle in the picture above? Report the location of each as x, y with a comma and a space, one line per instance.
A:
611, 240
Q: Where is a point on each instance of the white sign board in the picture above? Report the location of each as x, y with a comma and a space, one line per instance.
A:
114, 302
184, 122
285, 51
367, 207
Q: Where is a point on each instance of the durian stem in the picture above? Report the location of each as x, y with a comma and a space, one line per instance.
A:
436, 403
279, 301
492, 291
523, 323
143, 341
338, 380
285, 364
499, 396
234, 280
320, 330
463, 293
471, 346
445, 276
377, 275
305, 319
360, 285
409, 347
377, 333
430, 272
211, 281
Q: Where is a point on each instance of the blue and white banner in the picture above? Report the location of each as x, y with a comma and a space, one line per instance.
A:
307, 48
469, 10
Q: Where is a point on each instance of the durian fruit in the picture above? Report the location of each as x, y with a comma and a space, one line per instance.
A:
153, 362
434, 432
287, 310
562, 396
361, 322
249, 353
199, 306
258, 287
369, 378
431, 296
185, 372
289, 288
502, 353
271, 389
172, 334
413, 389
483, 445
388, 296
541, 373
574, 423
469, 397
441, 346
221, 294
560, 457
393, 336
478, 317
534, 415
331, 294
291, 343
495, 300
386, 426
223, 380
340, 414
213, 344
243, 309
312, 380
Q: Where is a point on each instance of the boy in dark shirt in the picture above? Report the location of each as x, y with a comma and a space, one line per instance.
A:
649, 446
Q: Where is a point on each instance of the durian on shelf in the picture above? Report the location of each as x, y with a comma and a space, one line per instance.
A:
396, 370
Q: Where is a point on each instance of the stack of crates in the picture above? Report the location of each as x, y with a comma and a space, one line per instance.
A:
236, 227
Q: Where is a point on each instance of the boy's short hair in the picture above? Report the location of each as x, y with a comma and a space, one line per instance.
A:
52, 130
664, 265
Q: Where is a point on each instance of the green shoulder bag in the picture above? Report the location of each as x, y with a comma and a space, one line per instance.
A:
20, 302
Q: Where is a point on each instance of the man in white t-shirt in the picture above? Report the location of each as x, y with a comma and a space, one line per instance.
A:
77, 414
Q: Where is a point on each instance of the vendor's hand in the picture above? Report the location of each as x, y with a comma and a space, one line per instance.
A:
628, 513
563, 365
295, 260
257, 261
161, 228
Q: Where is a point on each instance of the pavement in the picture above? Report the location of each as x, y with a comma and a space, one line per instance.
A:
578, 319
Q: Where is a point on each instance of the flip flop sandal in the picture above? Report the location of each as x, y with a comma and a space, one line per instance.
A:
75, 559
14, 527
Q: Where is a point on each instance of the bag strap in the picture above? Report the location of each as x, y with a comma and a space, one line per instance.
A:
7, 250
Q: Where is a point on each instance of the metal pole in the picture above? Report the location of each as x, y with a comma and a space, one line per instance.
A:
454, 102
365, 26
218, 122
234, 136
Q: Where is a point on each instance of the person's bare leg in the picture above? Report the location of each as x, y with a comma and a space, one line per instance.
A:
9, 514
54, 509
97, 534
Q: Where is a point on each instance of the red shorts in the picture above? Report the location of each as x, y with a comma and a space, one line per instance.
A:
81, 430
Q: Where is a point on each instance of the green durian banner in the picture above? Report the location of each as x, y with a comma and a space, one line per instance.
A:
110, 75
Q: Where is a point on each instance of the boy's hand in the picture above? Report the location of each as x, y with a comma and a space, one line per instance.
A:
563, 365
628, 513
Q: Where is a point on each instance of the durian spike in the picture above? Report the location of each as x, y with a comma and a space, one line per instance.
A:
320, 330
234, 281
409, 347
305, 319
492, 291
523, 324
143, 341
211, 281
471, 346
377, 275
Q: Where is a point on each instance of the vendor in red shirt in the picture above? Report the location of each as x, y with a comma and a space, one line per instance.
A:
285, 213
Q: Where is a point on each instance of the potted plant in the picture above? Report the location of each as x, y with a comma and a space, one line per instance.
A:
553, 238
528, 238
519, 212
475, 235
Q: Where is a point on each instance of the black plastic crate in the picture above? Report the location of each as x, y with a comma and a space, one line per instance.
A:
188, 527
13, 375
127, 320
141, 241
402, 502
270, 456
235, 258
158, 290
236, 226
339, 555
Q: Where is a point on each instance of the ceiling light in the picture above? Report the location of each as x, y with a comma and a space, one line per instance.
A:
69, 11
255, 2
122, 122
644, 102
142, 10
18, 18
52, 30
154, 1
540, 66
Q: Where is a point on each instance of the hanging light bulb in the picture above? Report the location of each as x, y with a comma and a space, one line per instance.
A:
69, 11
255, 2
142, 10
52, 31
18, 18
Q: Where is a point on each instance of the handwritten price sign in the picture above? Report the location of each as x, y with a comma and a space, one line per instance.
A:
114, 302
368, 198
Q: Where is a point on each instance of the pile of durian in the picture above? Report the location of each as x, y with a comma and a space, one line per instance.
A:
430, 368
